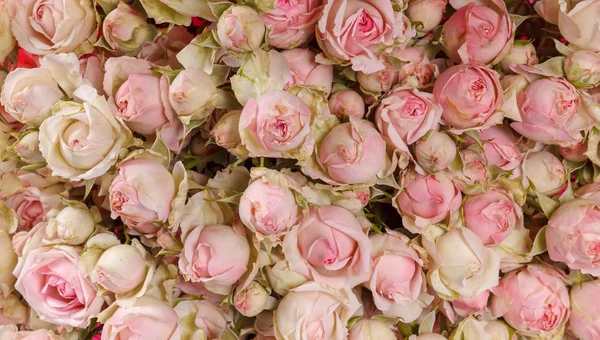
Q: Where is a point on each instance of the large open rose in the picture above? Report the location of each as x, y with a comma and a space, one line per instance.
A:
359, 31
43, 27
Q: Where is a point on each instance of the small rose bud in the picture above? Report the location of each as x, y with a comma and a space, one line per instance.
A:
521, 53
426, 13
545, 171
282, 279
226, 131
582, 68
251, 300
241, 29
126, 30
436, 152
74, 225
379, 81
347, 103
575, 152
193, 94
28, 148
120, 269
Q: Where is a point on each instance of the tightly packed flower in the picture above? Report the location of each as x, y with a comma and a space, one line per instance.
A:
300, 169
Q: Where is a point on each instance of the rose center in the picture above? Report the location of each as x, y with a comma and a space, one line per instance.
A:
477, 89
365, 22
118, 200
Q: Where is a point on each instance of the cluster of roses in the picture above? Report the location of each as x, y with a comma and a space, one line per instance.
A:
300, 169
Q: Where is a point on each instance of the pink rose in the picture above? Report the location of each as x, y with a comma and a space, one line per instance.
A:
549, 109
589, 192
379, 81
28, 206
478, 34
474, 170
582, 68
573, 236
306, 71
492, 216
292, 23
436, 152
584, 322
426, 12
146, 318
315, 311
240, 29
418, 71
397, 279
216, 255
352, 153
521, 53
576, 22
547, 173
575, 152
473, 305
142, 192
91, 70
268, 208
52, 284
533, 300
347, 103
360, 31
277, 124
425, 200
500, 147
406, 114
329, 247
118, 70
143, 103
470, 96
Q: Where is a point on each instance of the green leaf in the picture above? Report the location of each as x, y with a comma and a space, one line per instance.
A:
539, 243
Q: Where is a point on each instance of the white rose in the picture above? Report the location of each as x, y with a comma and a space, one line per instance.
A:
82, 140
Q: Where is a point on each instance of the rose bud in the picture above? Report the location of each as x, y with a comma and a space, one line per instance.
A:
425, 200
426, 13
465, 41
463, 266
352, 152
572, 235
584, 322
263, 72
143, 103
268, 206
205, 319
240, 29
291, 24
577, 24
347, 103
282, 279
545, 171
126, 30
215, 255
575, 152
142, 191
74, 225
277, 124
533, 300
365, 329
417, 71
20, 95
473, 328
397, 279
193, 95
143, 318
500, 147
120, 269
473, 305
28, 148
549, 108
61, 26
521, 53
343, 258
582, 68
492, 216
313, 305
436, 152
406, 114
377, 82
306, 71
475, 107
250, 300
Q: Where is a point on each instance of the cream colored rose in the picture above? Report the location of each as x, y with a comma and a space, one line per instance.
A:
461, 264
82, 140
53, 26
7, 40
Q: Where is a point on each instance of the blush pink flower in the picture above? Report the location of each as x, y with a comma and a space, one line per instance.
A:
500, 147
292, 22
